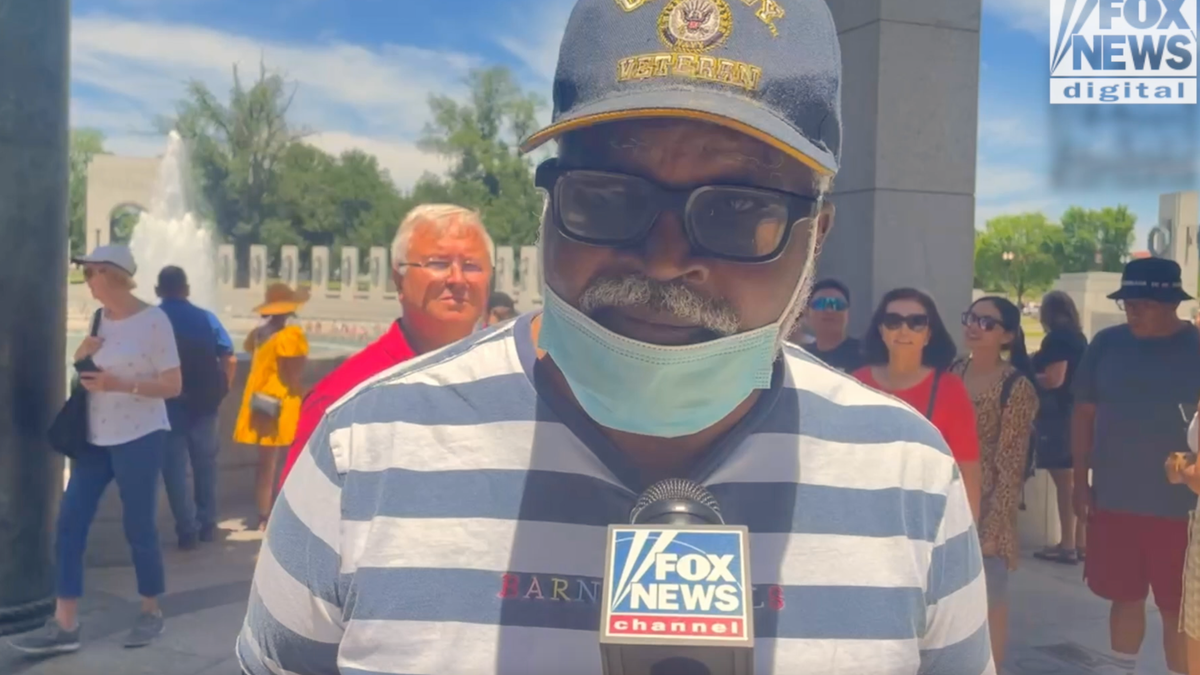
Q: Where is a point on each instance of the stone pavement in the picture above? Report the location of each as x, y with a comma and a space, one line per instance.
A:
1057, 626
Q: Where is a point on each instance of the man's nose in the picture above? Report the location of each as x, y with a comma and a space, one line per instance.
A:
668, 254
455, 274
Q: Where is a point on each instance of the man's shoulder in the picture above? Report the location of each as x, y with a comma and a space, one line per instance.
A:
462, 369
1112, 334
835, 406
357, 368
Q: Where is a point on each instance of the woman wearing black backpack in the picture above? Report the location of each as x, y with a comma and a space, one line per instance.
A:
997, 376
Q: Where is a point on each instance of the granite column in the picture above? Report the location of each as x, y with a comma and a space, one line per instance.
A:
34, 64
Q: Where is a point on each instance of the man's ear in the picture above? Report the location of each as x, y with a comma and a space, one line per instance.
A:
398, 281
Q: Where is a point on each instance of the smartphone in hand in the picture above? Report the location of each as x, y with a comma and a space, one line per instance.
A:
86, 365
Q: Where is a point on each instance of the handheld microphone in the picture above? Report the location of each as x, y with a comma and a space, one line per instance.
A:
677, 594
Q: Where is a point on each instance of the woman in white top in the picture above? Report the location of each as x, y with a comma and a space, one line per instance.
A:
136, 367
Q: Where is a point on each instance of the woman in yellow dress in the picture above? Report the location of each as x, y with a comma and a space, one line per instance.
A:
271, 402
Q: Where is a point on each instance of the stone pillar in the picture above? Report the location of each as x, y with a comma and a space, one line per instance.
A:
33, 231
529, 284
289, 265
504, 270
349, 272
377, 272
905, 195
1174, 238
319, 270
258, 268
226, 267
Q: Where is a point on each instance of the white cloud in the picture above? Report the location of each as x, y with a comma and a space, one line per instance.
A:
1028, 15
992, 181
403, 160
984, 213
351, 95
1012, 131
537, 44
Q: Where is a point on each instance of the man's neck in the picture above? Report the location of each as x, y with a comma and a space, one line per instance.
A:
829, 342
656, 458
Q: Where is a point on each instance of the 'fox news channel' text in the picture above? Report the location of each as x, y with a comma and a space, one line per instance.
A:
1123, 51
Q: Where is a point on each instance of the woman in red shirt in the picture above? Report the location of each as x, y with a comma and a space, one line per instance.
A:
908, 351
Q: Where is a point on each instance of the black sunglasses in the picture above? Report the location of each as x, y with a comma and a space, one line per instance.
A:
728, 222
915, 322
986, 323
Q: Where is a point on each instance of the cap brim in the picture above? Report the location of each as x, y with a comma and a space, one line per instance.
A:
707, 106
79, 260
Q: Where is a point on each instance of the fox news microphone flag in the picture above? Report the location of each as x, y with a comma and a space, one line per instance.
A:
677, 592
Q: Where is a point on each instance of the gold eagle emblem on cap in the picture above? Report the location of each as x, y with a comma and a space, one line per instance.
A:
695, 26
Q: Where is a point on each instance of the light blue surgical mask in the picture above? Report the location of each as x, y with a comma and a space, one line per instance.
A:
657, 390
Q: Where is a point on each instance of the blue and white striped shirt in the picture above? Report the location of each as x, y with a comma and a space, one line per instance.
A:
449, 518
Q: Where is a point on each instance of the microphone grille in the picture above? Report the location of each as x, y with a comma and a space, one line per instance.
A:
676, 488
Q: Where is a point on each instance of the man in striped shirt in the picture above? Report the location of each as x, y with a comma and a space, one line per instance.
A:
448, 517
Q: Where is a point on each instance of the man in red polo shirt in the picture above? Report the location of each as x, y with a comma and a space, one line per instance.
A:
442, 266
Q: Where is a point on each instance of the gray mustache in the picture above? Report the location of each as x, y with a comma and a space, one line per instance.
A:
673, 298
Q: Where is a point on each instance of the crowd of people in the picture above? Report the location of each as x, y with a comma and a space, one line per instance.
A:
1100, 418
445, 489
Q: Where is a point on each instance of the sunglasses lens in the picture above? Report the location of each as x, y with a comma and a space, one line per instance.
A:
604, 208
918, 321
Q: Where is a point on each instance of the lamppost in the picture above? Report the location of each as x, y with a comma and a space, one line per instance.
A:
1008, 257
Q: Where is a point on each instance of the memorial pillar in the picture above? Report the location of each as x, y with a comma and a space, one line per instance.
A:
905, 195
33, 232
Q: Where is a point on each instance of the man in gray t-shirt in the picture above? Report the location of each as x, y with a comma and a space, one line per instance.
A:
1134, 390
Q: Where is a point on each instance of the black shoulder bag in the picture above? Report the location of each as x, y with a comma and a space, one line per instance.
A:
68, 433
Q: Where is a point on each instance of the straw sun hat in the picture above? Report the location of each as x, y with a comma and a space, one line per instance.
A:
281, 299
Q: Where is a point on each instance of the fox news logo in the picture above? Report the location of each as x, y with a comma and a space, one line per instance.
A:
1123, 51
677, 583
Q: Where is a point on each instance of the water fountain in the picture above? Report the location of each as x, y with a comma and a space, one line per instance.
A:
170, 232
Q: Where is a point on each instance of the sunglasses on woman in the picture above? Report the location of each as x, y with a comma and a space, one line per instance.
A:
727, 222
915, 322
985, 323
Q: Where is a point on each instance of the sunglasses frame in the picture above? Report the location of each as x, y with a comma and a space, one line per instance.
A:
812, 304
969, 318
905, 320
549, 175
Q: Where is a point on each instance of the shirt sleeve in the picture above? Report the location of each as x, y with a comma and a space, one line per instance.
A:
162, 350
955, 415
1055, 348
291, 342
1016, 425
295, 621
955, 641
224, 342
1084, 385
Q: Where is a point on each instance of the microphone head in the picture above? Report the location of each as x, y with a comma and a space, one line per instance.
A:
676, 501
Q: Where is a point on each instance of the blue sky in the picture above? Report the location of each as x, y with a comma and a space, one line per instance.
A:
366, 67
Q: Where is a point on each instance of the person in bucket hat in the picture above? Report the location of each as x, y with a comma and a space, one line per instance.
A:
270, 408
697, 142
1134, 390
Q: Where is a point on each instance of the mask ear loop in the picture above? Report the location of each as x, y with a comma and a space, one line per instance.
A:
795, 308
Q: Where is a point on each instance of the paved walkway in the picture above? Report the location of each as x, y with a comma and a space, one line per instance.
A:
1057, 627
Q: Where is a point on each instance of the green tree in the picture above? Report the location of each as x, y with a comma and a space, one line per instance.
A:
480, 137
1086, 232
237, 149
84, 145
1016, 254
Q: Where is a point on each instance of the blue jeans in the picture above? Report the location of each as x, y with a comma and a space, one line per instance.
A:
136, 466
196, 442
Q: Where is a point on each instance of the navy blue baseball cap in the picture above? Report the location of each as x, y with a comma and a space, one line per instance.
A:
770, 69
